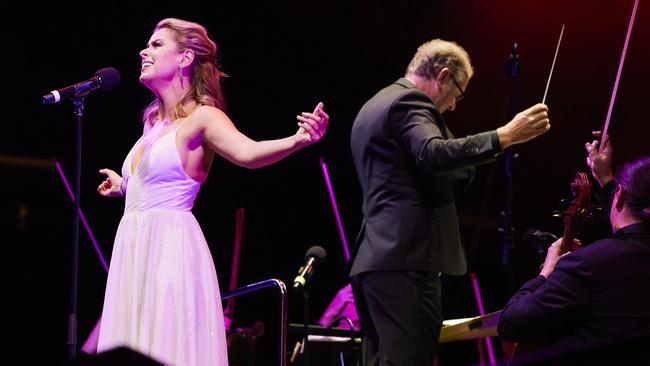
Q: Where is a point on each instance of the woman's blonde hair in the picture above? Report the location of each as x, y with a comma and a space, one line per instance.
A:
205, 78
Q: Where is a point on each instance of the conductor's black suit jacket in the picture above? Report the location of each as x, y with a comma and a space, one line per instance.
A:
411, 169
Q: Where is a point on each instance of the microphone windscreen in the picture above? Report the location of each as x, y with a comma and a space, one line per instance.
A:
110, 78
317, 252
529, 235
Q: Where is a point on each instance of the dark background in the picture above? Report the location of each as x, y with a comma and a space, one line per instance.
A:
283, 57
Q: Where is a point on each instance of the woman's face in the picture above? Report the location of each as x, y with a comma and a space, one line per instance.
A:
160, 60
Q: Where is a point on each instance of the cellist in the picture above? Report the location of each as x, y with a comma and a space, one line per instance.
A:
592, 304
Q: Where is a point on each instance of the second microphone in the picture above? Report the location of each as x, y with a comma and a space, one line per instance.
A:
314, 256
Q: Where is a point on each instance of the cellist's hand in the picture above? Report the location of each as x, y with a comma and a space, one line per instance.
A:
600, 162
554, 254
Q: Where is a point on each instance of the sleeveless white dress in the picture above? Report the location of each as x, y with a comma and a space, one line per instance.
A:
162, 295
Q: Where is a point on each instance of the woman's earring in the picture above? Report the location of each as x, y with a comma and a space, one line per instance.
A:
180, 74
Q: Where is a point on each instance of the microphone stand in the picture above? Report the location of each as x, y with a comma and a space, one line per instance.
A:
72, 317
512, 68
305, 344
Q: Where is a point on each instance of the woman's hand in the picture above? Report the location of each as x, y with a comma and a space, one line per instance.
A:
312, 126
112, 186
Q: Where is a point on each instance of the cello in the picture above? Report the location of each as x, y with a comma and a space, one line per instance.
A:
574, 219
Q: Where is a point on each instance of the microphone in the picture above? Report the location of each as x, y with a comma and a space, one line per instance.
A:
105, 79
538, 235
313, 257
540, 239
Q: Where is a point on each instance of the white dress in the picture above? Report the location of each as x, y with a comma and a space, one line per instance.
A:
162, 295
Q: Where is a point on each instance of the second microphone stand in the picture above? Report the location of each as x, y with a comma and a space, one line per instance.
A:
305, 344
512, 68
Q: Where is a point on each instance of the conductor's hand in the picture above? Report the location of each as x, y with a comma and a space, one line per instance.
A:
112, 186
312, 126
526, 125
